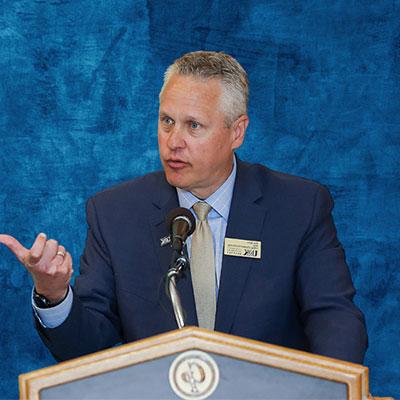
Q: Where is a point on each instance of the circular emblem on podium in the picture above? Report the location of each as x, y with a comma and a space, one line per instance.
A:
194, 375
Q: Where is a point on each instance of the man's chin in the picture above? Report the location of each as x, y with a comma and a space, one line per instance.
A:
175, 180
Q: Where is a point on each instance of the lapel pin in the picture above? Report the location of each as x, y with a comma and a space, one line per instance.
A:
165, 240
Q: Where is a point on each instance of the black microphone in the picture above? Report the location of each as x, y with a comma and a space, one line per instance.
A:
181, 224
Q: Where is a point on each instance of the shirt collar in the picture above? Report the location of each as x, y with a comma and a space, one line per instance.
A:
220, 200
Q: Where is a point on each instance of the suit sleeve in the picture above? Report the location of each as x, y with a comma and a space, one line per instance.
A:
93, 322
334, 326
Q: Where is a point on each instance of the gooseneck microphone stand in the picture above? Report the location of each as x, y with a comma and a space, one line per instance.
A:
181, 224
179, 263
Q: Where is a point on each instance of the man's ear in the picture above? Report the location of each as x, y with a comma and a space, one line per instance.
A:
239, 130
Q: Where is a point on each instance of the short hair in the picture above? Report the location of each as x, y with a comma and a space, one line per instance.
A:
216, 65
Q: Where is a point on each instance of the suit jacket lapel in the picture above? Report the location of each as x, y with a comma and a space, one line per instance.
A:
166, 200
246, 219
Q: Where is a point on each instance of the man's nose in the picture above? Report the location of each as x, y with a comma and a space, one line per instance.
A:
176, 138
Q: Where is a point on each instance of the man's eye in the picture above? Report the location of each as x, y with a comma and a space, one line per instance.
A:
194, 125
168, 121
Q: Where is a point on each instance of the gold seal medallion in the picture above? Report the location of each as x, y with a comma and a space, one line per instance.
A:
194, 375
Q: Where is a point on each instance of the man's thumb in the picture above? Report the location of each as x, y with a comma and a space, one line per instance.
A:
15, 246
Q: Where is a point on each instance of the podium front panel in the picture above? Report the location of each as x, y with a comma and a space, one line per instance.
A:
195, 364
238, 379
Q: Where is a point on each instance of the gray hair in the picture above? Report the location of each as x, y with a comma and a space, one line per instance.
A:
213, 65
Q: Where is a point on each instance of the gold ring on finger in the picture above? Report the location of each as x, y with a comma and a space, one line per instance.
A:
61, 253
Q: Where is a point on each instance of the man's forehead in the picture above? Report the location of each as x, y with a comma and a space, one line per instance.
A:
191, 91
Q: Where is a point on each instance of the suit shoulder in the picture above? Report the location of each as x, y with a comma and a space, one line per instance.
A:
292, 198
283, 185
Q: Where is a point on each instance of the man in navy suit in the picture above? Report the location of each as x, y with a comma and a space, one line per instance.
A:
295, 290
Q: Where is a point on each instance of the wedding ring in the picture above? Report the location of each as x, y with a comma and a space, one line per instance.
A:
61, 253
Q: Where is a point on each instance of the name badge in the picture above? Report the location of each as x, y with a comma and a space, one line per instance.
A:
242, 248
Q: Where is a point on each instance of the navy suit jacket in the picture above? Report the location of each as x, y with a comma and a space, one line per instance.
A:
298, 295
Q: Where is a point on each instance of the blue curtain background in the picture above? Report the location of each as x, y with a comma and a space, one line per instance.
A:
79, 95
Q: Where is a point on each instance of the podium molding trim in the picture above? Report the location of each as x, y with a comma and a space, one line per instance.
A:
355, 376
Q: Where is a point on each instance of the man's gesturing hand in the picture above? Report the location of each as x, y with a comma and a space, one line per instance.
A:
48, 262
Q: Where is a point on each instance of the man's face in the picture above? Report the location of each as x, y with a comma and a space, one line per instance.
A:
196, 148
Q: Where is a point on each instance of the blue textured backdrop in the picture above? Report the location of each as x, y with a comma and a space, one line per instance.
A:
78, 94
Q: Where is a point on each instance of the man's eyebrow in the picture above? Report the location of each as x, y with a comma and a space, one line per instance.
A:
193, 118
187, 118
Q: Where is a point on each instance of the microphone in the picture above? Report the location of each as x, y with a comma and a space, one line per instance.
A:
181, 224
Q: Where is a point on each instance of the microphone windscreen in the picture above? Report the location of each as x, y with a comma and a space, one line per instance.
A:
180, 212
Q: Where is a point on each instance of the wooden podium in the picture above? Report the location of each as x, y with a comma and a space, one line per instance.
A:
194, 363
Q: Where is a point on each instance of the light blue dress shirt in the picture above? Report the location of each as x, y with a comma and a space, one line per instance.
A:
220, 201
217, 218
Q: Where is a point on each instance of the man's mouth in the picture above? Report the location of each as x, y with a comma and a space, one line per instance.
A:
176, 163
